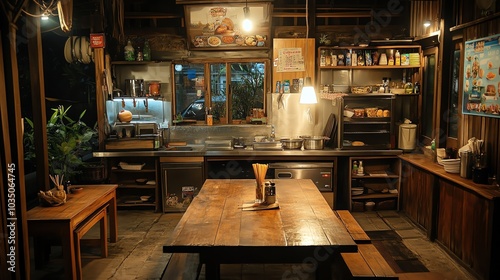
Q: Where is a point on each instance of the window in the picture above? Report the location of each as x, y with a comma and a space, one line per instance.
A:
235, 87
428, 95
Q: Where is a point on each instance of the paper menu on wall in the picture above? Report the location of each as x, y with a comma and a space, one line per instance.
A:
290, 60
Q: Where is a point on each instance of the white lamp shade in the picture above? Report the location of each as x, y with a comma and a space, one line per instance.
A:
308, 95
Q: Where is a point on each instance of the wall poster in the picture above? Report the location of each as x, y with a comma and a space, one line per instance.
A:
290, 60
216, 27
481, 85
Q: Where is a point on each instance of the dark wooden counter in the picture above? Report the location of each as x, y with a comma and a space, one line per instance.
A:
487, 191
457, 213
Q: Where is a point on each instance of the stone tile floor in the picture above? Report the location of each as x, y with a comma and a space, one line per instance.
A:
138, 252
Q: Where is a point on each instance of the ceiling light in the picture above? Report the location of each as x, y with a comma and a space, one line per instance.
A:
45, 16
247, 23
308, 95
427, 23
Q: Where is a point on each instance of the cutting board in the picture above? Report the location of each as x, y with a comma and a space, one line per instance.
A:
177, 143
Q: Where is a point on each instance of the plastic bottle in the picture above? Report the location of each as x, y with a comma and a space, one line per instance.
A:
361, 170
409, 86
129, 51
140, 54
398, 58
391, 58
146, 51
355, 168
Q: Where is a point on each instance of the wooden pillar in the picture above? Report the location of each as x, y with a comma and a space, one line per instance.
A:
37, 79
99, 61
15, 256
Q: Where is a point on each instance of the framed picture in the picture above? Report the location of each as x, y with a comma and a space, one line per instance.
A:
481, 85
220, 27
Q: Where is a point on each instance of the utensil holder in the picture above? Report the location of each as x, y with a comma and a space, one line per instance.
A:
259, 193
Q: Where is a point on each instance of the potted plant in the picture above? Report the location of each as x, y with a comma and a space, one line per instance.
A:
69, 142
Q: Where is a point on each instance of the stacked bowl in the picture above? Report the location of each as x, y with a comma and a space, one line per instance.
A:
451, 165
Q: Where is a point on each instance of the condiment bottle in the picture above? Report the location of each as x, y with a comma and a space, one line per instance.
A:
355, 168
391, 58
270, 193
129, 51
146, 51
140, 54
398, 58
360, 168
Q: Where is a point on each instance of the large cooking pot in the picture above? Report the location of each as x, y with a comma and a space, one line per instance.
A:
314, 142
134, 87
292, 143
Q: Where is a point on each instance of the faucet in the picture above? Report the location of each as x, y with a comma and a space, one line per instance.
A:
273, 134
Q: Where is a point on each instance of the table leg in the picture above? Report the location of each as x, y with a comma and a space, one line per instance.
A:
324, 269
212, 270
113, 221
68, 248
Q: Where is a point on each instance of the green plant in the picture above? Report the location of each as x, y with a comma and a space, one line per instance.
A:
247, 92
68, 140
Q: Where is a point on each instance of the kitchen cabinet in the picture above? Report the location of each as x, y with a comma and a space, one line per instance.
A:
137, 181
182, 178
378, 183
365, 121
418, 192
147, 70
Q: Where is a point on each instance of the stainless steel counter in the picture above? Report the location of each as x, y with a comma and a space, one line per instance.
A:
199, 150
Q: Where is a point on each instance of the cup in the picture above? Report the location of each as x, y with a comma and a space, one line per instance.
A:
259, 193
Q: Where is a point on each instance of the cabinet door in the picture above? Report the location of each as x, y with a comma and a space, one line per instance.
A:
417, 191
464, 227
368, 128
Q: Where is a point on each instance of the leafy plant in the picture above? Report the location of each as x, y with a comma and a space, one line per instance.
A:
68, 142
248, 92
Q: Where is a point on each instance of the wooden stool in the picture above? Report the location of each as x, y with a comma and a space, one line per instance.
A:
84, 227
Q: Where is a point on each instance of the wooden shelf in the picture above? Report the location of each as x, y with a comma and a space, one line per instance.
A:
374, 196
371, 67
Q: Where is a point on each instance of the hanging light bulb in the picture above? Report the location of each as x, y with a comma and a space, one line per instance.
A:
308, 95
45, 16
247, 23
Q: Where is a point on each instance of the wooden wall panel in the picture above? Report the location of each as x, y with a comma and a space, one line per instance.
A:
417, 187
484, 128
422, 11
463, 227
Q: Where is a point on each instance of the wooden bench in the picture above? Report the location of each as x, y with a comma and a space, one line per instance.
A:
99, 216
367, 263
357, 233
182, 266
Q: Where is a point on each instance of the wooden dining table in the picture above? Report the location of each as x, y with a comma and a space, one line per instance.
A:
304, 229
61, 221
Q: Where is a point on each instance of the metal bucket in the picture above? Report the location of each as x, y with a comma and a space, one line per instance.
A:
134, 87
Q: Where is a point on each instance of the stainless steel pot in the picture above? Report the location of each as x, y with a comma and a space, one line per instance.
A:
314, 142
134, 87
291, 144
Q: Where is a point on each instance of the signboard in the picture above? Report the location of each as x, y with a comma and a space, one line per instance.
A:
290, 60
220, 27
481, 84
97, 40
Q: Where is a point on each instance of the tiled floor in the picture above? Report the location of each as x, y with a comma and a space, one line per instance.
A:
138, 253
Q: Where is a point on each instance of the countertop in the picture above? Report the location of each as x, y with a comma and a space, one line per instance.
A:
199, 150
487, 191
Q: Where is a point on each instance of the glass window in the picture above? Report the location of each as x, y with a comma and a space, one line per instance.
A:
453, 101
428, 95
189, 91
237, 88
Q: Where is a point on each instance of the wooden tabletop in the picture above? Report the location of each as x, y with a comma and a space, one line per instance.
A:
215, 221
76, 205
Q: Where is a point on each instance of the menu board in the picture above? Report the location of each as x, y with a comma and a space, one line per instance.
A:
220, 27
481, 83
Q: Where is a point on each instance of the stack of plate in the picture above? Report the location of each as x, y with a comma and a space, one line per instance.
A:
77, 49
357, 191
451, 165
